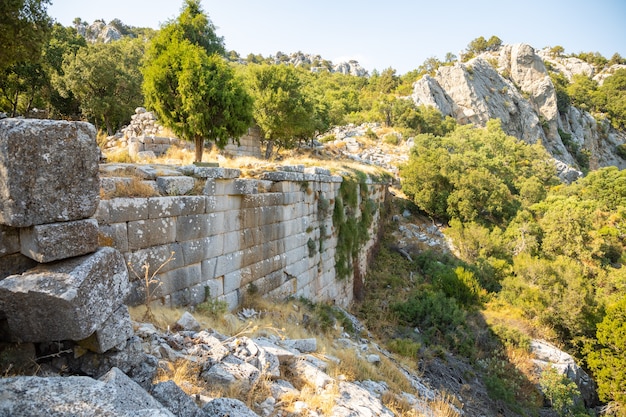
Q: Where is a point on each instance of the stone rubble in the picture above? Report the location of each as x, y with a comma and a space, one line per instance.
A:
286, 365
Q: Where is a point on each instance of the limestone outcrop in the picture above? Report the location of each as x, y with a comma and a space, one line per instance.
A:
547, 354
513, 84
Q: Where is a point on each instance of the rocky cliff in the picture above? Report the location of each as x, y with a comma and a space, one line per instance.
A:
513, 84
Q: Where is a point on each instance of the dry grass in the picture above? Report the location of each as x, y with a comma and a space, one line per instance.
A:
134, 187
184, 373
119, 156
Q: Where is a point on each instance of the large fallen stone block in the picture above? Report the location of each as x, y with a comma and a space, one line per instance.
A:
115, 330
48, 171
54, 241
65, 300
114, 395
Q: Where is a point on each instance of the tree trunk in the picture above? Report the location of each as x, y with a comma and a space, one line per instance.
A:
199, 142
269, 149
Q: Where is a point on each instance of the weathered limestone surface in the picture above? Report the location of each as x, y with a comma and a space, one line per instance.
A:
64, 300
49, 171
54, 241
513, 85
114, 394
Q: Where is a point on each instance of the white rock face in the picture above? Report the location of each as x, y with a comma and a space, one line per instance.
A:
520, 93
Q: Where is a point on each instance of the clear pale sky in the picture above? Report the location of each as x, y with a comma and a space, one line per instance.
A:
400, 34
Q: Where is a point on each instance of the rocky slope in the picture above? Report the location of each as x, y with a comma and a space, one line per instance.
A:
513, 84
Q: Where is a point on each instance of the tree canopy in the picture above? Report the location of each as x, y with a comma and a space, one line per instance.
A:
24, 30
190, 86
106, 79
281, 109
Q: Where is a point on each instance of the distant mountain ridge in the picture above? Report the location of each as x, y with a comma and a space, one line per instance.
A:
100, 31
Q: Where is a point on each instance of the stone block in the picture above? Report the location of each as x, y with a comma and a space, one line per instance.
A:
54, 241
65, 300
146, 233
227, 202
231, 299
14, 264
209, 267
155, 257
102, 213
215, 286
209, 187
9, 240
228, 263
262, 200
115, 330
232, 241
49, 171
109, 185
178, 279
216, 172
76, 396
199, 250
245, 186
176, 206
188, 296
285, 187
145, 172
178, 185
125, 209
194, 226
291, 168
114, 235
317, 171
282, 176
232, 281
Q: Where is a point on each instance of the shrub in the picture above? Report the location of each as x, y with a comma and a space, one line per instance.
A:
391, 139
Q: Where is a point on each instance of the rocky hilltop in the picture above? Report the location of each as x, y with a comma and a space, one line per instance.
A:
513, 84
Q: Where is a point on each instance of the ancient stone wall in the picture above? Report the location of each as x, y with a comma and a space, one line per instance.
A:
70, 262
274, 235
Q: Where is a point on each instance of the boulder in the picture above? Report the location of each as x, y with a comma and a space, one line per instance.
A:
226, 407
49, 171
549, 355
64, 300
115, 330
114, 395
174, 399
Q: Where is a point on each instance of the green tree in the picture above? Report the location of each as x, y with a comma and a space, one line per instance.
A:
190, 86
581, 90
611, 98
106, 80
281, 108
608, 360
559, 390
196, 95
20, 85
64, 41
194, 25
24, 29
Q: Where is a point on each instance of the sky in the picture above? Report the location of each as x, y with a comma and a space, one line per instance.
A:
400, 34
